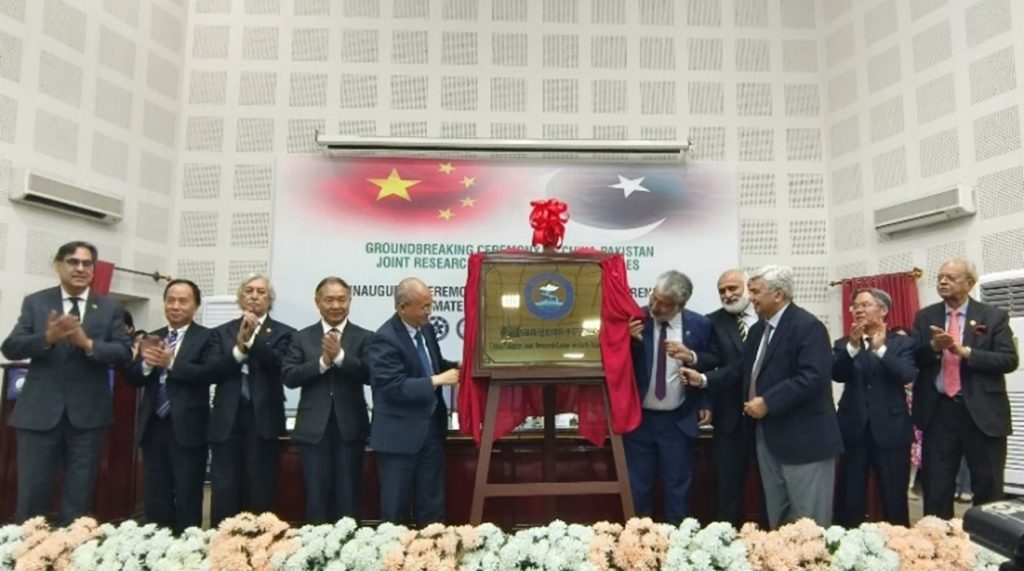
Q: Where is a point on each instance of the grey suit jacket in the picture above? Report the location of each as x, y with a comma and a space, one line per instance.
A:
62, 377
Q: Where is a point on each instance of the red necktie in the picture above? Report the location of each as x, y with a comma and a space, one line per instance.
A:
659, 367
950, 360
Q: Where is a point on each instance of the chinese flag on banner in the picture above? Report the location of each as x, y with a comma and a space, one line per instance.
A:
414, 191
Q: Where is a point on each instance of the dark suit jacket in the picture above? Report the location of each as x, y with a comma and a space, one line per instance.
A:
188, 386
265, 357
796, 384
404, 400
982, 377
62, 377
873, 393
696, 335
725, 382
338, 388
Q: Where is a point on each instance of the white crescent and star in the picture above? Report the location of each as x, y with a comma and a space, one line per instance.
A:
630, 185
577, 232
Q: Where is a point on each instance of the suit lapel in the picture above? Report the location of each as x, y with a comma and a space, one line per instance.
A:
773, 341
975, 315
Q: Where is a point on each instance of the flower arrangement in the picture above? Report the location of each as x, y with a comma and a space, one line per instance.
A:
266, 543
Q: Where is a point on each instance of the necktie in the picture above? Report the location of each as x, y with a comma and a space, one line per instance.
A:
741, 325
950, 360
659, 367
75, 311
759, 361
421, 349
163, 404
246, 394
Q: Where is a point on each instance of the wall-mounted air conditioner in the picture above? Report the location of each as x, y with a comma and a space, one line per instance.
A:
948, 204
1006, 290
52, 194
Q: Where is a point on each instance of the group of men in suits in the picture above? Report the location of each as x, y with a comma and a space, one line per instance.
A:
73, 338
767, 365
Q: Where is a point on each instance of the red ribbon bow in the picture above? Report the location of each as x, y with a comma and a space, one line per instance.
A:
548, 222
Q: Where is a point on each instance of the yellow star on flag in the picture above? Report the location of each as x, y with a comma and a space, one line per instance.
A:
446, 213
468, 202
393, 185
468, 181
446, 168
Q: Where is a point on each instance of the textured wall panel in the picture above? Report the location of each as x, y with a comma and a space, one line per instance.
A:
411, 9
113, 104
10, 63
560, 51
706, 98
211, 42
932, 46
308, 90
808, 237
310, 44
757, 189
239, 270
849, 232
510, 50
198, 229
799, 55
935, 99
845, 137
458, 10
705, 54
202, 272
798, 14
1000, 193
263, 7
166, 29
204, 134
803, 144
894, 263
410, 46
706, 13
361, 9
919, 8
110, 156
659, 53
64, 23
412, 129
510, 131
890, 169
708, 143
410, 91
659, 132
842, 90
1002, 251
156, 173
208, 87
834, 8
508, 94
839, 45
152, 222
884, 69
201, 181
940, 153
257, 88
250, 229
162, 76
13, 9
560, 95
459, 48
458, 130
55, 136
8, 119
560, 11
208, 6
6, 168
258, 43
938, 254
753, 99
607, 132
846, 184
987, 19
253, 182
359, 46
358, 91
806, 190
40, 246
302, 135
657, 97
802, 100
459, 93
880, 22
750, 13
997, 134
609, 96
254, 135
993, 75
887, 119
756, 144
759, 237
516, 10
60, 79
608, 52
753, 54
117, 52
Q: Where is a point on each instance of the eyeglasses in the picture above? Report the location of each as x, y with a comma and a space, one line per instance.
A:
857, 306
75, 262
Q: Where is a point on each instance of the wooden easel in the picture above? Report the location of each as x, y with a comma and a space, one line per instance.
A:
549, 487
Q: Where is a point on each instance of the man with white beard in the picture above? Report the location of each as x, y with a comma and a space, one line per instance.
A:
733, 443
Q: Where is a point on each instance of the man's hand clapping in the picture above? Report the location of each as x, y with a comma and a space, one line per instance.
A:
446, 379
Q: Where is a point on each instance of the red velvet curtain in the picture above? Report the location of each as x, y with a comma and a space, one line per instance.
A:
102, 275
518, 402
901, 287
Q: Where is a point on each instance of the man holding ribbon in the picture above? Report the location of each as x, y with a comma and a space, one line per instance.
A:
668, 338
965, 349
173, 370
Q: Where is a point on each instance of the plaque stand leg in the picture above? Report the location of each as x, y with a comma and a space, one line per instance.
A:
549, 487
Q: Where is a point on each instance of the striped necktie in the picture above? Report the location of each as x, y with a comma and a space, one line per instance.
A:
741, 325
163, 404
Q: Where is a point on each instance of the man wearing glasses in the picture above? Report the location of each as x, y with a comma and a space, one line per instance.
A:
73, 336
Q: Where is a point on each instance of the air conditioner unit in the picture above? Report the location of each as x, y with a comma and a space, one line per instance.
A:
1006, 290
45, 192
949, 204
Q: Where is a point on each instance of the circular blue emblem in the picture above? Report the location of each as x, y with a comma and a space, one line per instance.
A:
549, 296
440, 326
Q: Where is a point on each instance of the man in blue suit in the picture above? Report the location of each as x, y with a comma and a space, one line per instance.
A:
668, 338
787, 370
410, 419
875, 365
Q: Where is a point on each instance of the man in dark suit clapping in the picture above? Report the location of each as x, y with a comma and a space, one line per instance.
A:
410, 419
325, 360
964, 350
174, 371
248, 407
874, 366
73, 336
787, 370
